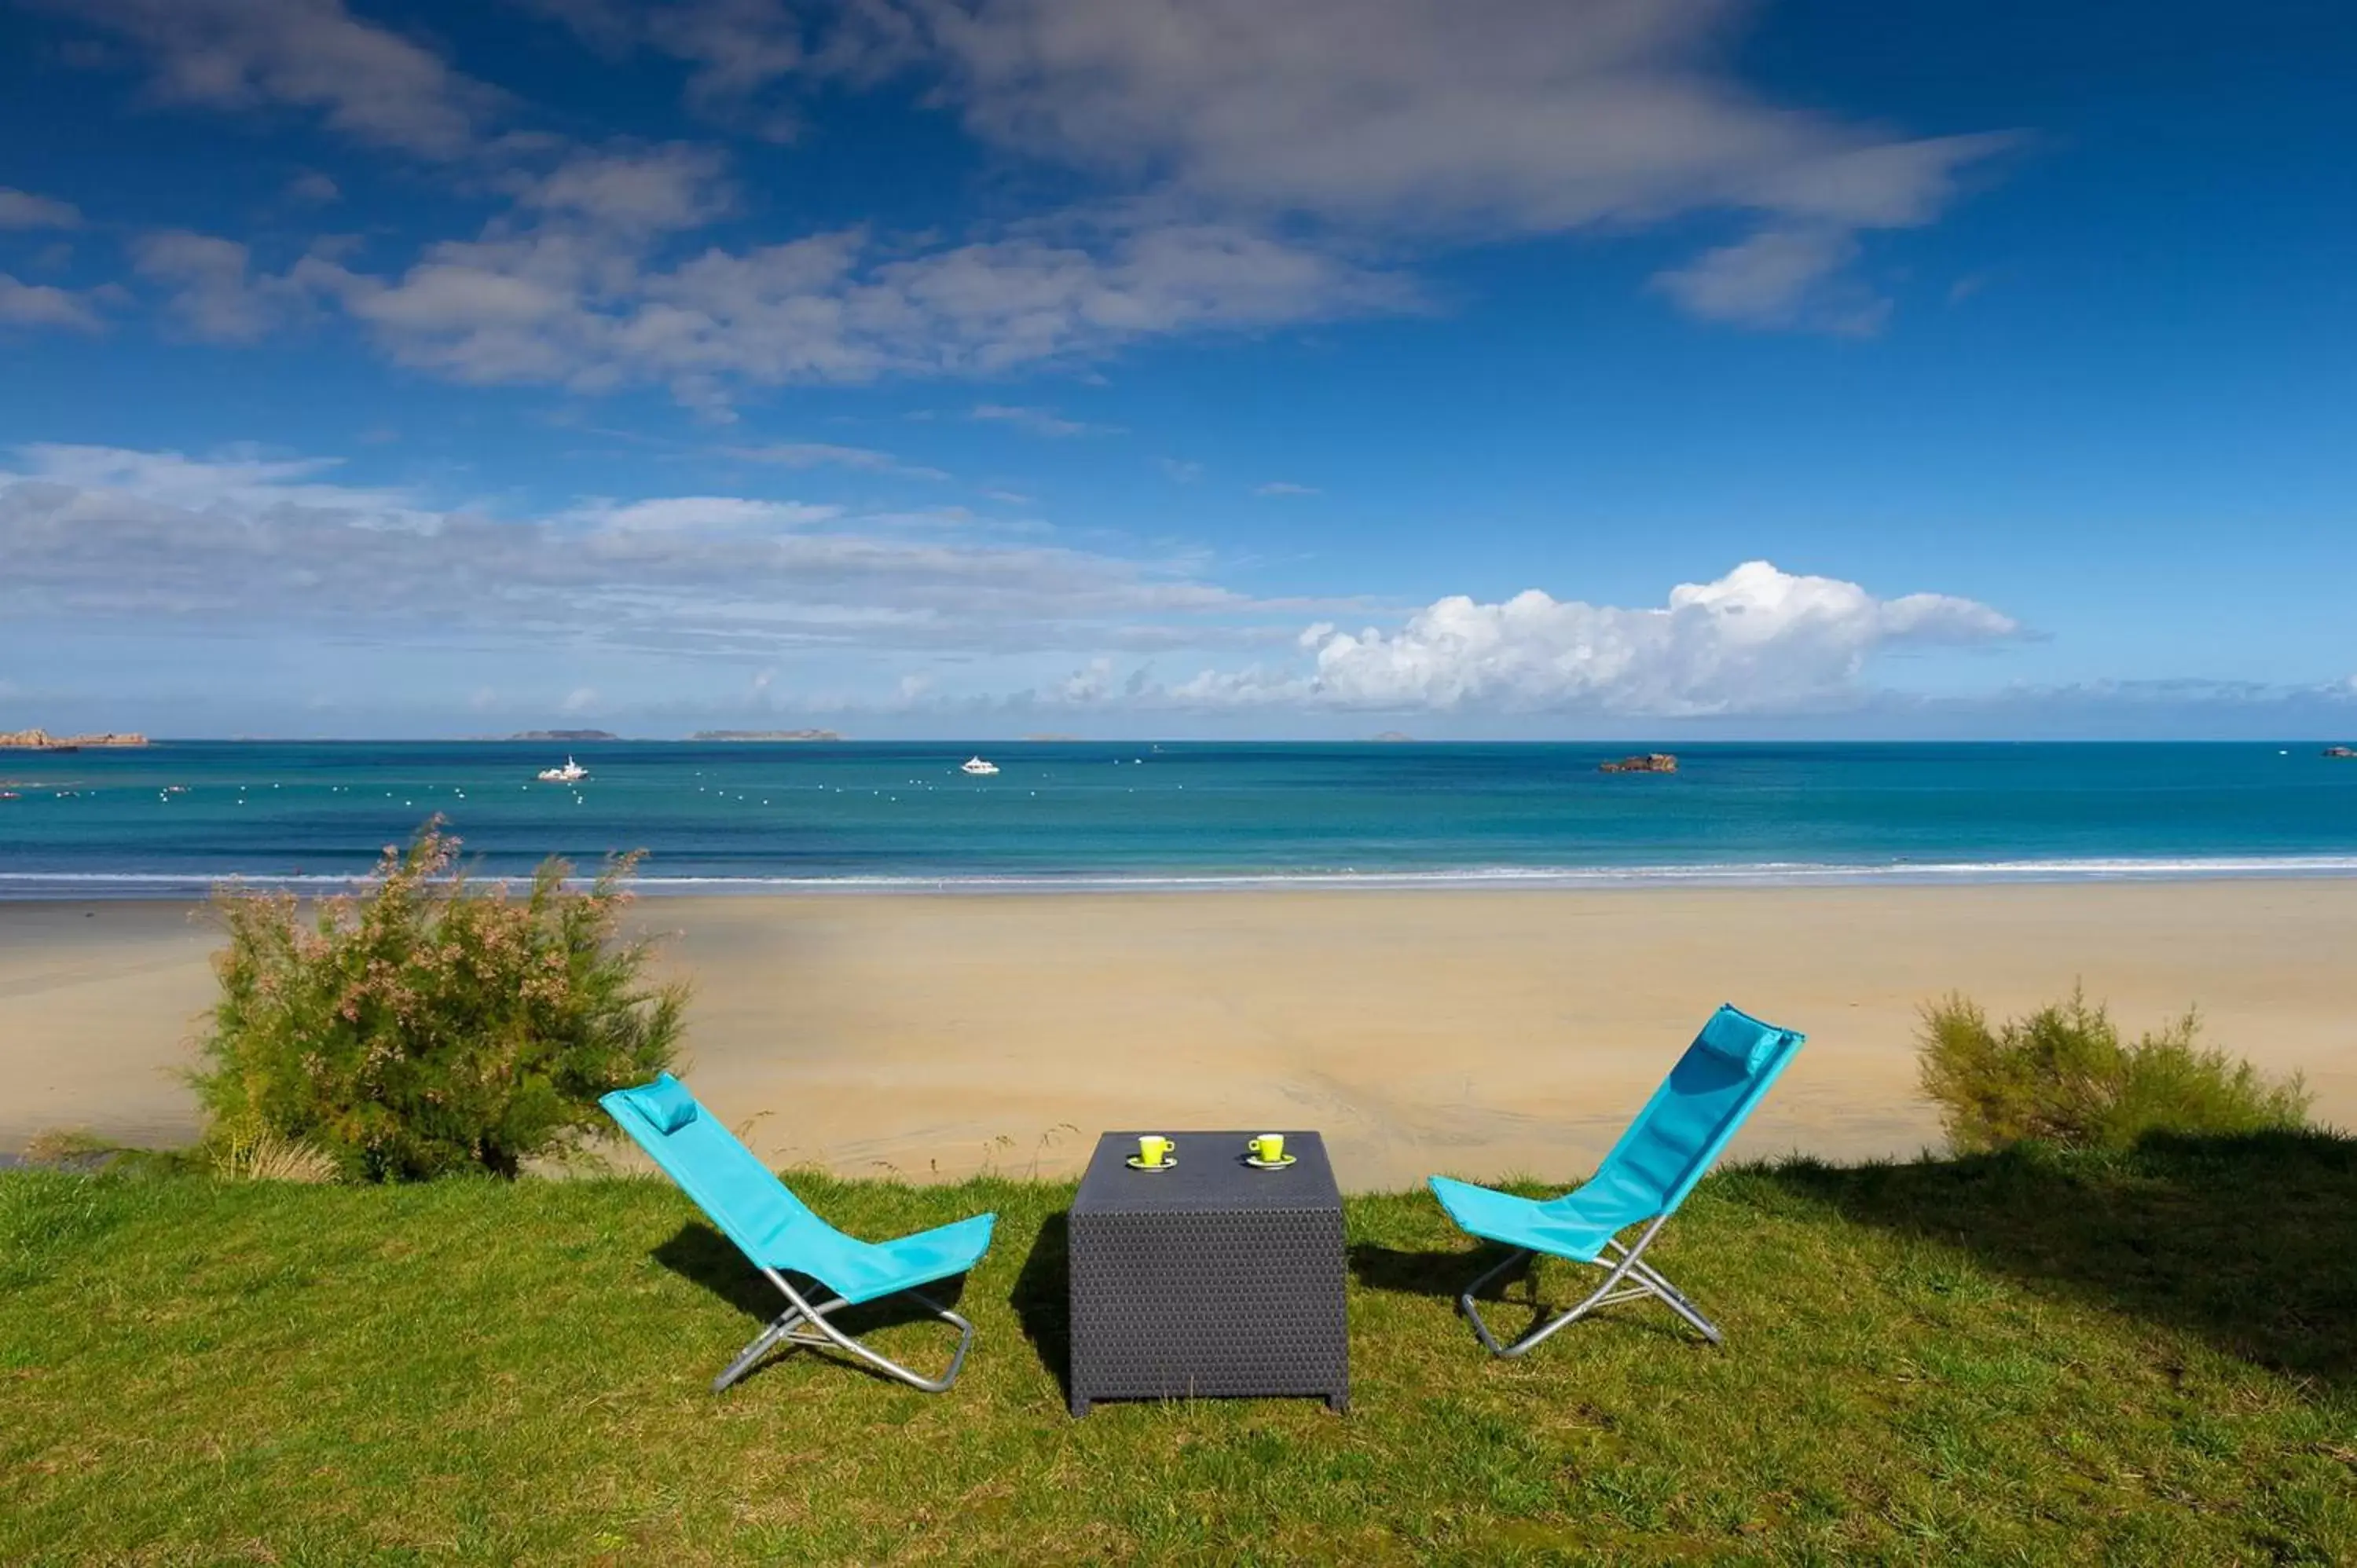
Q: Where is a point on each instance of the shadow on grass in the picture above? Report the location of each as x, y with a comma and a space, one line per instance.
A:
702, 1254
2250, 1242
1043, 1300
1446, 1275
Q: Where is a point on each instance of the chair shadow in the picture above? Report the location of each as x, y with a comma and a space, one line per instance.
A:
702, 1255
2249, 1242
1446, 1275
1043, 1300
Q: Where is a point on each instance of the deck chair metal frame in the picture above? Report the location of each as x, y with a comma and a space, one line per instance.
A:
785, 1241
1643, 1179
804, 1323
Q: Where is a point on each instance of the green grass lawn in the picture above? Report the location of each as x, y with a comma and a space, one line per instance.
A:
2026, 1358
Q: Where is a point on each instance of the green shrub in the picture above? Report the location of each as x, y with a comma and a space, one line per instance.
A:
425, 1026
2064, 1076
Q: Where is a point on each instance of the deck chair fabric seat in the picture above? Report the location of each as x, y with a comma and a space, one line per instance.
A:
780, 1237
1682, 1130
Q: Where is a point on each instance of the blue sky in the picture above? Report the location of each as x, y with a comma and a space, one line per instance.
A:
1459, 367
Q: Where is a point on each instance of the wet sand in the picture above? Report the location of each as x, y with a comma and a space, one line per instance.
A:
1480, 1032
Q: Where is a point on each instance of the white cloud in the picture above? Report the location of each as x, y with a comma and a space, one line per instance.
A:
102, 536
686, 513
23, 210
1531, 115
586, 307
1179, 471
1780, 277
313, 189
215, 293
653, 190
739, 50
1757, 640
42, 305
1284, 488
1441, 117
580, 700
367, 83
1038, 421
819, 454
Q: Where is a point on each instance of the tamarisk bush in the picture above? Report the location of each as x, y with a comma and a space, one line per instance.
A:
427, 1025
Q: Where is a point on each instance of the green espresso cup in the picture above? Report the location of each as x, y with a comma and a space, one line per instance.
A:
1153, 1150
1269, 1148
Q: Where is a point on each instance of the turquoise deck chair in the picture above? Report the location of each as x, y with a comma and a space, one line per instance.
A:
1648, 1174
780, 1237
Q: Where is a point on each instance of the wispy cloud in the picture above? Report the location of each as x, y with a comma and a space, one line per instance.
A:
1179, 471
363, 81
239, 540
816, 455
1284, 488
1044, 422
1789, 277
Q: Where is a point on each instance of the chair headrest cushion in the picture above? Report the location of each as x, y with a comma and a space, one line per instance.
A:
1739, 1037
665, 1103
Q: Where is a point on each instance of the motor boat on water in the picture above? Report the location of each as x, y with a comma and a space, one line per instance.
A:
977, 766
571, 773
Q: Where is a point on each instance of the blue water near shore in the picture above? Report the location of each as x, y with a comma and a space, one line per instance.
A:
173, 817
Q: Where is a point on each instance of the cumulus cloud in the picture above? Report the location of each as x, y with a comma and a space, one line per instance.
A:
1757, 640
23, 210
313, 189
674, 187
43, 304
214, 292
366, 81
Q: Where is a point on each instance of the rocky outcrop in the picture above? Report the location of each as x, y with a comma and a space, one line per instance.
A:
42, 740
1650, 762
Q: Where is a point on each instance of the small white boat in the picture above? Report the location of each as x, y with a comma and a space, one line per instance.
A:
571, 773
977, 766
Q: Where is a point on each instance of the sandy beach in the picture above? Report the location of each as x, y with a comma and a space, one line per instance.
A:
1480, 1032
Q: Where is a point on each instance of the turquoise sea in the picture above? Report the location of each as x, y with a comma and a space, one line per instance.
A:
713, 816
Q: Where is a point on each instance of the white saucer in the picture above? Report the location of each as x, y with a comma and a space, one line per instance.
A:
1260, 1164
1134, 1162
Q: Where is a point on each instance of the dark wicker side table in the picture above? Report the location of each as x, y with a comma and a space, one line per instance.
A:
1208, 1280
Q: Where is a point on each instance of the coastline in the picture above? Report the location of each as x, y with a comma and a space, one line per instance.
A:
1484, 1030
41, 886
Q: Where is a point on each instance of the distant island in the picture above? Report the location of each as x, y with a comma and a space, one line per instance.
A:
1650, 762
765, 735
565, 735
42, 740
1047, 737
1394, 737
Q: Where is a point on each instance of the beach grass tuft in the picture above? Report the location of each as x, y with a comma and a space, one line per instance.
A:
2143, 1355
